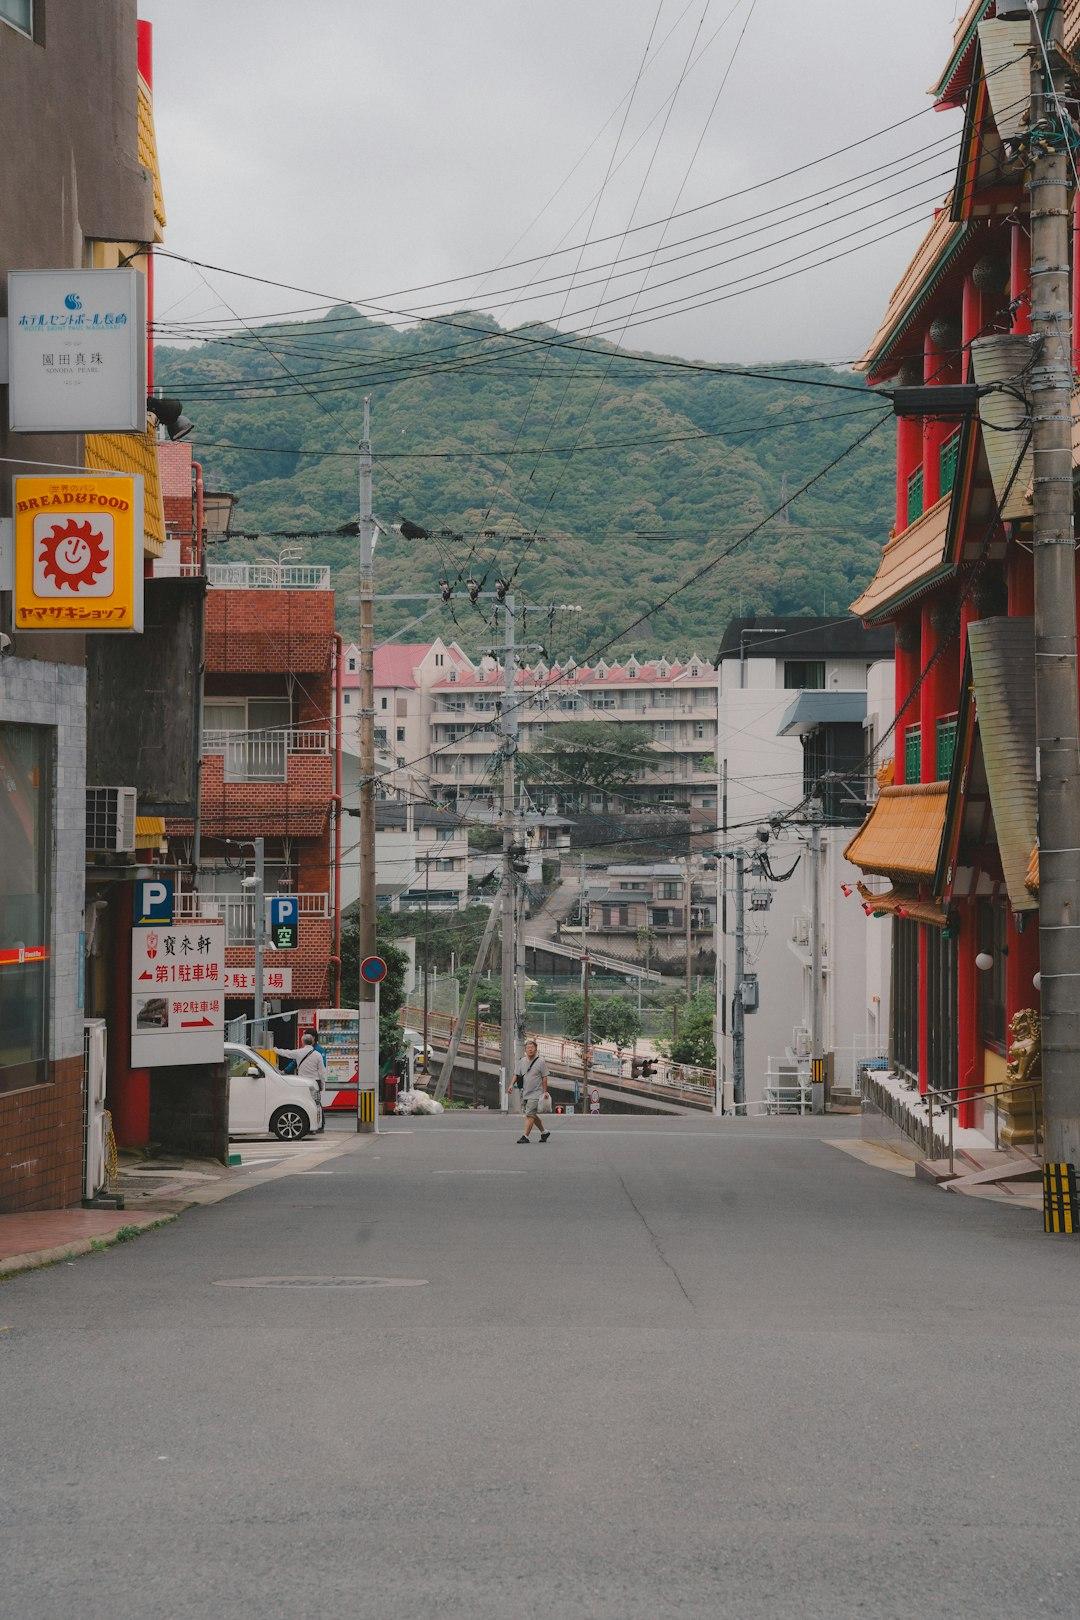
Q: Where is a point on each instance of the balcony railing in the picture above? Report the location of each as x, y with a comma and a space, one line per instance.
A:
263, 756
237, 911
267, 577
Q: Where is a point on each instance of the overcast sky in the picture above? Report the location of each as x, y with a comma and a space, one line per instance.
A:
361, 148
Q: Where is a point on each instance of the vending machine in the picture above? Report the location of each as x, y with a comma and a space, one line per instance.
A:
337, 1031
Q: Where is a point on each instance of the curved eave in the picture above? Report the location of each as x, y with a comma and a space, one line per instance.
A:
932, 259
952, 87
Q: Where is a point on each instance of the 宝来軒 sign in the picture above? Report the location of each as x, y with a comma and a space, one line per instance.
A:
178, 994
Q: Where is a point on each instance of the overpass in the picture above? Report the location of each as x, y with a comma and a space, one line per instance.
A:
598, 959
675, 1089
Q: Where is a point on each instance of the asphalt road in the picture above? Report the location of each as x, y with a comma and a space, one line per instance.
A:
652, 1369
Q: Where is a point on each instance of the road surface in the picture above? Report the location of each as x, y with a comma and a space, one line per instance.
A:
651, 1369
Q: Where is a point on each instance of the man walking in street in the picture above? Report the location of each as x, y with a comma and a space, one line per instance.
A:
533, 1080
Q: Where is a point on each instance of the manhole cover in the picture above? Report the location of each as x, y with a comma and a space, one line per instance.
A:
321, 1282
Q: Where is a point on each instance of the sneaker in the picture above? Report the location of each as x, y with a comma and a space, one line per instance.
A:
544, 1135
525, 1139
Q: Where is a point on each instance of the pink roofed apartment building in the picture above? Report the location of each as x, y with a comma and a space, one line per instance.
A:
405, 677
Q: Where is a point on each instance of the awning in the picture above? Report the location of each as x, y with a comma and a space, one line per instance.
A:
1032, 879
901, 837
149, 831
813, 709
910, 563
1003, 670
894, 902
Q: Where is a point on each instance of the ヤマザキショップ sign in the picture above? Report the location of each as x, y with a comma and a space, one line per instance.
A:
77, 351
78, 552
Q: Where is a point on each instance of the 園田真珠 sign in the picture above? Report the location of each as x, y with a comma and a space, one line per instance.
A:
77, 351
78, 544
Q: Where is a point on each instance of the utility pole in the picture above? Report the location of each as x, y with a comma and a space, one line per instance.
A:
427, 949
720, 946
817, 1056
258, 1030
367, 1021
509, 730
689, 934
586, 1032
1057, 753
738, 1010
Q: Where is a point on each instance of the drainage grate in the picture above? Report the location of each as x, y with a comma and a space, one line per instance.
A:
321, 1282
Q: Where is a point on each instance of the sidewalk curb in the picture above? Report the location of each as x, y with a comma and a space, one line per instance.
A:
36, 1259
170, 1209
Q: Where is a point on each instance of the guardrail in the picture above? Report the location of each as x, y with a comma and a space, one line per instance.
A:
237, 911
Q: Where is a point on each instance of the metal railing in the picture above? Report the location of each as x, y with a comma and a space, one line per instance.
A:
262, 756
240, 576
237, 911
938, 1140
949, 1102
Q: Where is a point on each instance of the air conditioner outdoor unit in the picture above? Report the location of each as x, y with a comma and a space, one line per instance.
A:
110, 820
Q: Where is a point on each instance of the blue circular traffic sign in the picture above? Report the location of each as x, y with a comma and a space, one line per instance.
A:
372, 969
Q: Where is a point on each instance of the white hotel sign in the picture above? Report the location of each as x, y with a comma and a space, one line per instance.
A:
76, 351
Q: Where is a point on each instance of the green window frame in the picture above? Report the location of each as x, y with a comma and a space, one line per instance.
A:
913, 754
915, 495
945, 750
948, 454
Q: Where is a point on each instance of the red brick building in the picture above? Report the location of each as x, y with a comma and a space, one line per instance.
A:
271, 768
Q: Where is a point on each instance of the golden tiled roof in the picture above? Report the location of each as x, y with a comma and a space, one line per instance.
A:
1032, 879
943, 235
901, 837
895, 901
148, 156
149, 831
133, 453
915, 556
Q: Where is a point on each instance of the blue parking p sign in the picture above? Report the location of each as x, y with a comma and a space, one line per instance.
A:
153, 902
285, 922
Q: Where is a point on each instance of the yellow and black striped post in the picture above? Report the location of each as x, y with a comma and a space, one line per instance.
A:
366, 1108
1059, 1198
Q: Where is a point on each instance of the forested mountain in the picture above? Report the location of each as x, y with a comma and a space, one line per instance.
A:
633, 473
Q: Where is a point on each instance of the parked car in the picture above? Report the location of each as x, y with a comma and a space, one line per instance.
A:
263, 1101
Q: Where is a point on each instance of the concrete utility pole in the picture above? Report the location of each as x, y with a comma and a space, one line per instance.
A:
1057, 751
586, 1032
738, 1010
258, 1030
720, 943
368, 1028
817, 1056
689, 932
508, 725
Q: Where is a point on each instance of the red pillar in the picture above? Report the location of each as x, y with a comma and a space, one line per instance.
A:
1020, 278
969, 1067
1076, 281
940, 688
938, 367
128, 1089
144, 50
1022, 964
908, 456
971, 321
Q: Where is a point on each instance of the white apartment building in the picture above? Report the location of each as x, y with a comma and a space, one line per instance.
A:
672, 700
405, 675
798, 698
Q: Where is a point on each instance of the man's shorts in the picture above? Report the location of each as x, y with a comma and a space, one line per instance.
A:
530, 1105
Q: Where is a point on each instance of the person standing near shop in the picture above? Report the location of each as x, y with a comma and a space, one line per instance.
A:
533, 1080
308, 1058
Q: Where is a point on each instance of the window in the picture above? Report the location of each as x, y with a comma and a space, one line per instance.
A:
913, 754
948, 456
352, 669
670, 891
801, 675
401, 733
946, 746
604, 700
665, 917
453, 674
446, 863
699, 730
26, 819
438, 660
993, 940
915, 495
380, 736
20, 14
614, 917
632, 673
347, 699
383, 702
905, 995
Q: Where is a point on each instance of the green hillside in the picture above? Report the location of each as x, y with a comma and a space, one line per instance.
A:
621, 524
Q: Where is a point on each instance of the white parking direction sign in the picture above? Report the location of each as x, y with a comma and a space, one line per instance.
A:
178, 994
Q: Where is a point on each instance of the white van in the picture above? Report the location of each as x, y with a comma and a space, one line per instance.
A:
263, 1101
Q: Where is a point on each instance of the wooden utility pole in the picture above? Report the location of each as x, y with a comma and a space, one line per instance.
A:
1057, 752
689, 933
368, 1027
509, 730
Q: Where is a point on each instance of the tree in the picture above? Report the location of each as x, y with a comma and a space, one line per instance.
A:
391, 991
616, 1020
696, 1042
598, 754
571, 1009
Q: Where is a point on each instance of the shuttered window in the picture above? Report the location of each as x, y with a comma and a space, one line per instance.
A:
948, 454
912, 754
915, 495
946, 747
